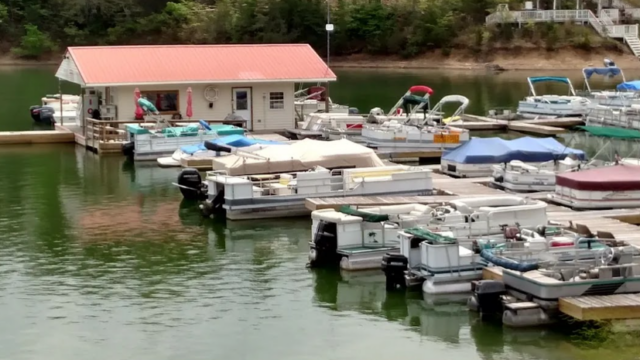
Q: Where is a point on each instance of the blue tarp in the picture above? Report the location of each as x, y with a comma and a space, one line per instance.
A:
496, 150
537, 79
238, 141
629, 85
604, 71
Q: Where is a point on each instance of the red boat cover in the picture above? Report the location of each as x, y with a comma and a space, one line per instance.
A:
608, 178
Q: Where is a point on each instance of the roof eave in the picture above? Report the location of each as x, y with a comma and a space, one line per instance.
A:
309, 80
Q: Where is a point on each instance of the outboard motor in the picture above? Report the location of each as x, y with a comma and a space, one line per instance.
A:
128, 149
394, 267
42, 114
609, 63
324, 247
486, 297
191, 185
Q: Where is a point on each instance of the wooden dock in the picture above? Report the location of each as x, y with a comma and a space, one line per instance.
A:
540, 127
36, 137
605, 307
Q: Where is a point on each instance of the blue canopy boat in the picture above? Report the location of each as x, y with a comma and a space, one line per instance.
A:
476, 157
622, 96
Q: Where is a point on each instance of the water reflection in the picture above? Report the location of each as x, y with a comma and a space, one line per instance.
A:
442, 319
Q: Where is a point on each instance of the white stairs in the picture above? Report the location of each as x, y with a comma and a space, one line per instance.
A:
634, 44
605, 23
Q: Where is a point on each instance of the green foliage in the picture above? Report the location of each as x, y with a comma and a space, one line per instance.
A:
379, 27
34, 43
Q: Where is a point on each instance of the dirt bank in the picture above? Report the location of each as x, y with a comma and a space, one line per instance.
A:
513, 59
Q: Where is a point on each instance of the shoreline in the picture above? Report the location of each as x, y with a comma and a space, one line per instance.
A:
566, 59
516, 59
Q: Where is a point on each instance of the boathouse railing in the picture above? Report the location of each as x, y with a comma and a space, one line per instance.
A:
603, 24
113, 131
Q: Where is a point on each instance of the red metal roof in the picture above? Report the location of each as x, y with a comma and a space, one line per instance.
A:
608, 178
175, 64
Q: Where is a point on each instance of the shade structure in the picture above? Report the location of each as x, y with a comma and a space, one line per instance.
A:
136, 96
189, 102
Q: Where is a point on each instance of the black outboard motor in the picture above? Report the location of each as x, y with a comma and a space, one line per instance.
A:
324, 247
609, 63
486, 298
191, 185
209, 208
394, 267
128, 149
42, 114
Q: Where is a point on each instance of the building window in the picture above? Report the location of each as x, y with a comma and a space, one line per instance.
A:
276, 100
166, 101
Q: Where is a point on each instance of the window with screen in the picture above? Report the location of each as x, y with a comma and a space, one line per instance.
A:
276, 100
166, 101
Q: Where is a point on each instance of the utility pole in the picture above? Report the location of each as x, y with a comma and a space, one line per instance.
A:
329, 28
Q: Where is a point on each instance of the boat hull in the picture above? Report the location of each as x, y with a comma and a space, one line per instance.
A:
289, 206
554, 291
364, 259
580, 199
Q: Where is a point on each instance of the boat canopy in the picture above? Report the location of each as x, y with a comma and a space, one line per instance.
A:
237, 141
366, 216
604, 71
299, 156
633, 85
430, 236
496, 150
537, 79
421, 88
608, 178
611, 132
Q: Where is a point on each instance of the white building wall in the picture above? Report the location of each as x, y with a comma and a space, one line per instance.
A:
264, 119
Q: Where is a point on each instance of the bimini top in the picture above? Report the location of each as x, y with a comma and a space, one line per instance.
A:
604, 71
608, 178
496, 150
633, 85
612, 132
537, 79
299, 156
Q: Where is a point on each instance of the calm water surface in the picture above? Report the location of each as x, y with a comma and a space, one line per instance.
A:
101, 260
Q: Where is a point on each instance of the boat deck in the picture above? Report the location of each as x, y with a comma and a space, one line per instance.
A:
606, 307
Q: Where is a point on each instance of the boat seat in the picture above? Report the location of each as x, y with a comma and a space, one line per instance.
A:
536, 275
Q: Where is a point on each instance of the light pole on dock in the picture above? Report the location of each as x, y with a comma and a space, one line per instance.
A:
329, 29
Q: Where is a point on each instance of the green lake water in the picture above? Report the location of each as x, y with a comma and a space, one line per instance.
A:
100, 259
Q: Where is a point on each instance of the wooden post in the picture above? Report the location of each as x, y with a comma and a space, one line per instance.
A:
60, 93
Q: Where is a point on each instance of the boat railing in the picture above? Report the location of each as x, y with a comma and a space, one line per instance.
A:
385, 242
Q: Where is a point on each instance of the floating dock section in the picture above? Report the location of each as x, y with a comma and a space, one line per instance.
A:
540, 127
36, 137
605, 307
